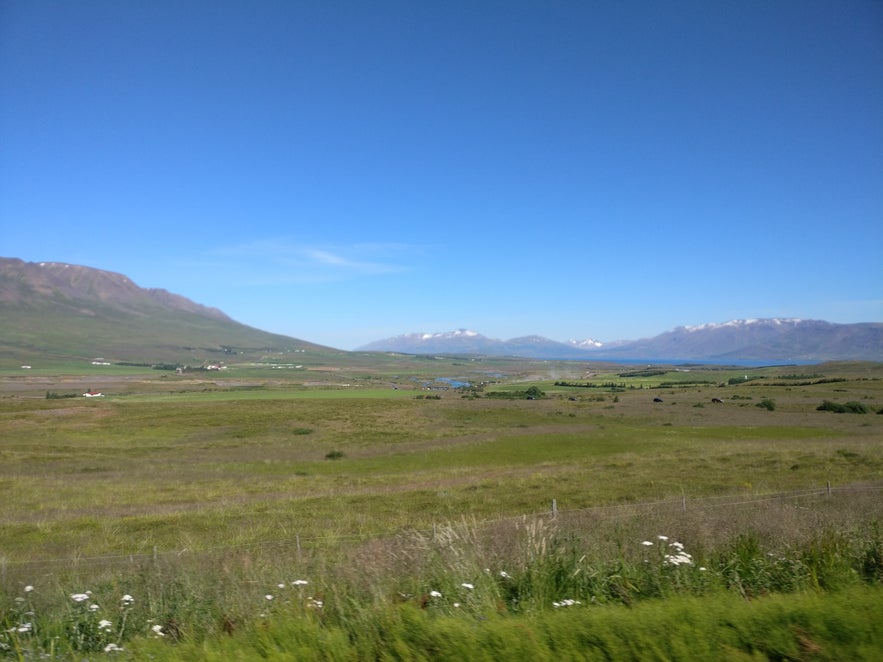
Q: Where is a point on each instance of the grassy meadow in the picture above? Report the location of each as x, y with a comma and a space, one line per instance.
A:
365, 510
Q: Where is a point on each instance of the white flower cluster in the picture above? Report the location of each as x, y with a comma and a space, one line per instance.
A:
311, 602
569, 602
675, 555
22, 628
678, 556
465, 585
83, 600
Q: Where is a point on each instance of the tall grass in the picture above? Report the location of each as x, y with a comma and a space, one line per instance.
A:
430, 536
415, 592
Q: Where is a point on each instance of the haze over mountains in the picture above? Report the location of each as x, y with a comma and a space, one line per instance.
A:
63, 310
737, 340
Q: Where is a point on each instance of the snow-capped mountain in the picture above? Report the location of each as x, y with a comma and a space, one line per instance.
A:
464, 341
774, 340
761, 340
588, 343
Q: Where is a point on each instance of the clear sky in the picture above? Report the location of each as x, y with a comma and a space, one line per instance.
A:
344, 171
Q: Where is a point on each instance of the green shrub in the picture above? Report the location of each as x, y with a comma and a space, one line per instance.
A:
767, 403
848, 408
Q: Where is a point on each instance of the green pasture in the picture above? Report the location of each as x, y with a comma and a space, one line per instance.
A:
205, 491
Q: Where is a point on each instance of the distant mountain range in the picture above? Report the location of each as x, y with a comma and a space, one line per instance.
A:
774, 340
51, 309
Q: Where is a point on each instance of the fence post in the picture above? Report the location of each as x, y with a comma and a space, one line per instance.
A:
684, 502
554, 508
829, 488
297, 543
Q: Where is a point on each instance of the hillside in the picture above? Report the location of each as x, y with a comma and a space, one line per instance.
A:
49, 309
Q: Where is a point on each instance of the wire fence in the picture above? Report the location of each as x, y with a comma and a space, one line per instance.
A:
300, 543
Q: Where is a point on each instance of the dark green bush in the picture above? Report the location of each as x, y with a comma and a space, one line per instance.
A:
838, 408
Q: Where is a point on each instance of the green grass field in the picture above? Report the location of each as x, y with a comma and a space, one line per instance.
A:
199, 495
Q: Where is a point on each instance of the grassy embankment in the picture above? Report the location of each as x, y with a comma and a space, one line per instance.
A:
200, 502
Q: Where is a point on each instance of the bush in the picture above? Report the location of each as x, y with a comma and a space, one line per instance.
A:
767, 403
848, 408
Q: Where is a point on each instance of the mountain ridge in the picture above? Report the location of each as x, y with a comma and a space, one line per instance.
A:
59, 310
761, 339
64, 310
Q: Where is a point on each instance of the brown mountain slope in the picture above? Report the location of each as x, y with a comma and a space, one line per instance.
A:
50, 309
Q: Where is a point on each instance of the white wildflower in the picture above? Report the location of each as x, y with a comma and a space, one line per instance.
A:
268, 597
456, 604
467, 586
93, 607
280, 585
105, 624
679, 559
504, 574
79, 597
435, 594
299, 582
28, 588
569, 602
157, 630
662, 537
24, 628
127, 600
647, 543
112, 648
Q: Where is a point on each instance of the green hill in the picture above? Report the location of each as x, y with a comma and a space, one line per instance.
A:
54, 311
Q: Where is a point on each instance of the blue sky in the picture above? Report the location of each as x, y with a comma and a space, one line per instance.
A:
346, 171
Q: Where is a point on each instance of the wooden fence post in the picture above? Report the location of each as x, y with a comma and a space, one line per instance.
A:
554, 508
